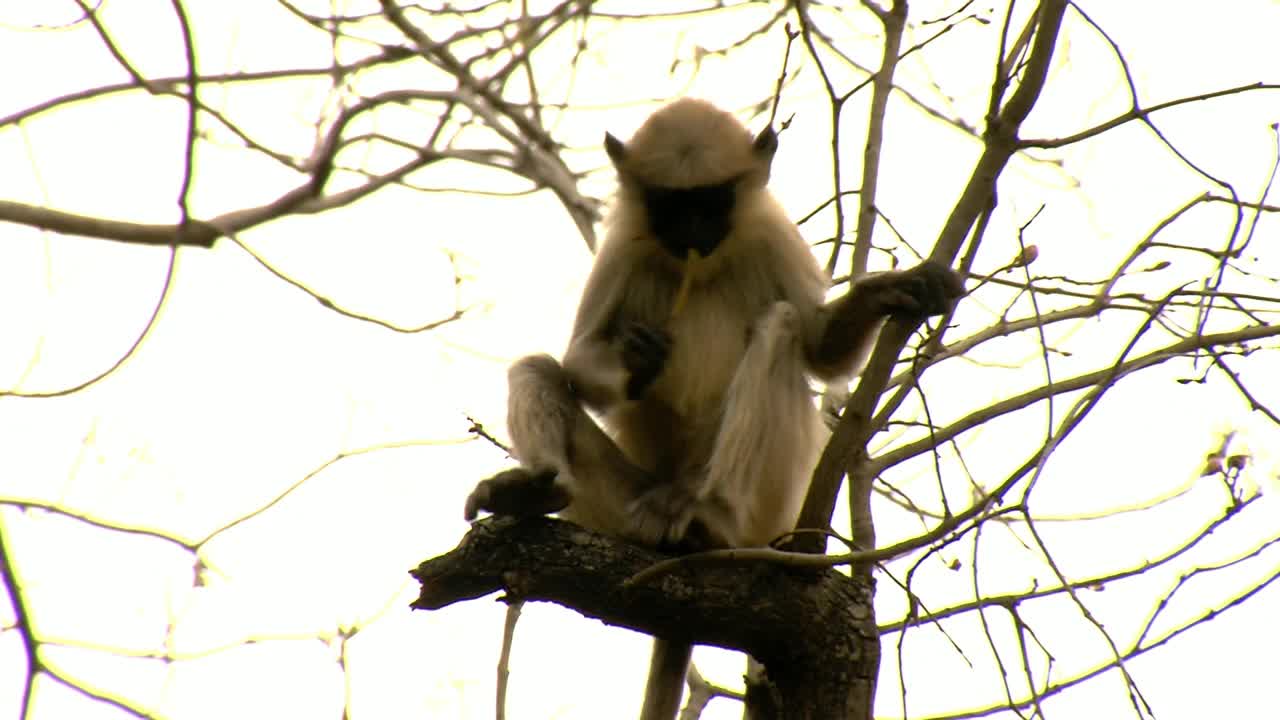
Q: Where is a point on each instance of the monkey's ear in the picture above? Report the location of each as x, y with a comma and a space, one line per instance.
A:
616, 149
763, 147
765, 144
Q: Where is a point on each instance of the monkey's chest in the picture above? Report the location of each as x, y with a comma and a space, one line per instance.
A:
708, 340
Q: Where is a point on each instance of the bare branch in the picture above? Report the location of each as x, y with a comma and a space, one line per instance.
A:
18, 604
1177, 349
1140, 113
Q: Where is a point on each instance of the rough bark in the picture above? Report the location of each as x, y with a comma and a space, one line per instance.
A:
814, 630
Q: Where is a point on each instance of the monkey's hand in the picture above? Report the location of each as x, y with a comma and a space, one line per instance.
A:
644, 354
520, 492
661, 515
929, 288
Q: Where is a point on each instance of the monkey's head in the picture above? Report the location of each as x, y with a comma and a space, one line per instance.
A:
687, 167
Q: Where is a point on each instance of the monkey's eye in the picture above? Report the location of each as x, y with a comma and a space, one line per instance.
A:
696, 218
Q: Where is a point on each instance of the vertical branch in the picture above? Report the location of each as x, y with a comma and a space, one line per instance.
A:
894, 20
1001, 136
27, 635
837, 104
188, 157
504, 660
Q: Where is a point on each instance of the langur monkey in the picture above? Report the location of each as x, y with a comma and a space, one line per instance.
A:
702, 319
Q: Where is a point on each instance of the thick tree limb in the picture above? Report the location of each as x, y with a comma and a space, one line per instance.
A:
814, 631
846, 453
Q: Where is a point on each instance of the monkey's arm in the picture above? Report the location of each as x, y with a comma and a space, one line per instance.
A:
595, 369
617, 351
843, 329
612, 365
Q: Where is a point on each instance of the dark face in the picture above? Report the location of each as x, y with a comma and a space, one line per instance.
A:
690, 218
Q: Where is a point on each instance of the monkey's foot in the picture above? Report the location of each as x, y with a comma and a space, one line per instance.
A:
520, 492
660, 516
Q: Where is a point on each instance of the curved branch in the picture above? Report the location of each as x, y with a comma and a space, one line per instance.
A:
1140, 113
1105, 375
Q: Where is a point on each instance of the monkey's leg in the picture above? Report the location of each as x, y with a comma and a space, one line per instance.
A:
751, 486
768, 437
565, 458
754, 483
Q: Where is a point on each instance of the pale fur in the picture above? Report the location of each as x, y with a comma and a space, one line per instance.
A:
689, 143
538, 421
763, 261
766, 448
726, 436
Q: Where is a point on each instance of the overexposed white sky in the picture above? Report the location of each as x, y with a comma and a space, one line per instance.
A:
246, 385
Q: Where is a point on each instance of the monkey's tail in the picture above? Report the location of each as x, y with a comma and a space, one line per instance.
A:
667, 668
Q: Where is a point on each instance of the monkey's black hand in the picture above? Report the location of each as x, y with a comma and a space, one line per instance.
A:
644, 354
661, 515
929, 288
520, 492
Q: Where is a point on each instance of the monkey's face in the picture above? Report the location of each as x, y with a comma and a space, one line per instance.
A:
685, 219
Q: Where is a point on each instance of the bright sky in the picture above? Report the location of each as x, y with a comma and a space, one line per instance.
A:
247, 385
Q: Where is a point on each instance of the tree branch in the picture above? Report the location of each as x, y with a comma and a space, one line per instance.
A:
813, 630
847, 450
